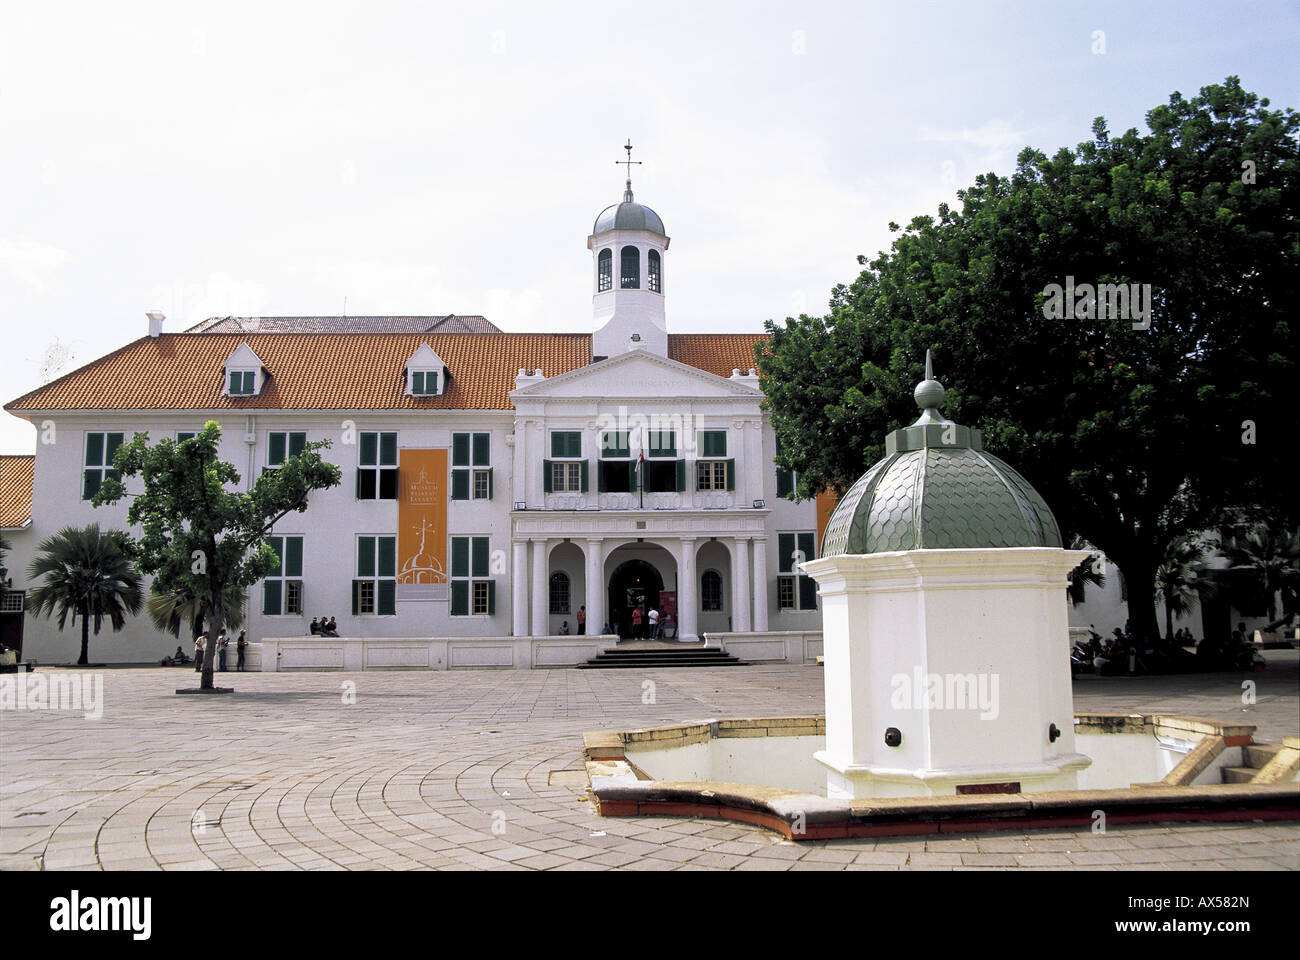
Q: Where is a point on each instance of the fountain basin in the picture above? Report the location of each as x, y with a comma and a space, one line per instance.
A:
1144, 767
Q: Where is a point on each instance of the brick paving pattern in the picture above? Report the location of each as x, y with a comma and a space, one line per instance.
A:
482, 770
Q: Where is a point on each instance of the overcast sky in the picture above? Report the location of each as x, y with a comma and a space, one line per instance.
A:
428, 158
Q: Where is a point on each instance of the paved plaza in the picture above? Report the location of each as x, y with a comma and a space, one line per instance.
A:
482, 770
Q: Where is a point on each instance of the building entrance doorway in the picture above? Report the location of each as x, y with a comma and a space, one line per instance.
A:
633, 584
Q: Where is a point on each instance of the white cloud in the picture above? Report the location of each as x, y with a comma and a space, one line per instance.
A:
32, 263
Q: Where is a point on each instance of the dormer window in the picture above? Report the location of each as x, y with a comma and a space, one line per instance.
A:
426, 374
424, 383
244, 373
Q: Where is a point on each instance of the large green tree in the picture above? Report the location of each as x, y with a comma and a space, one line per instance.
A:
84, 572
1133, 436
200, 538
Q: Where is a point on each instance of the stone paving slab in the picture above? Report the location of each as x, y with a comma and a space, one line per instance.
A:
454, 771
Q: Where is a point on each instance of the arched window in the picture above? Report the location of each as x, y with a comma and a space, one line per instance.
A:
605, 270
559, 592
654, 279
631, 268
711, 591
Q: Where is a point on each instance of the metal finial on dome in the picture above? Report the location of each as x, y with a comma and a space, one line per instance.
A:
627, 192
929, 395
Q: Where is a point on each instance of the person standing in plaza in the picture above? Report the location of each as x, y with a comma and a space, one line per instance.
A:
582, 621
653, 616
636, 622
240, 646
223, 641
200, 644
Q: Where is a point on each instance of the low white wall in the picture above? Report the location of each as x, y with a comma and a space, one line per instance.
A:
762, 761
770, 646
423, 653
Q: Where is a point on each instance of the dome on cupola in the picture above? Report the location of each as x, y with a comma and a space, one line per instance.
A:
936, 488
628, 215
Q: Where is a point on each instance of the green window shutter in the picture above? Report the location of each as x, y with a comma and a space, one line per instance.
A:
480, 561
460, 598
557, 444
482, 449
600, 476
632, 469
91, 485
489, 473
182, 437
365, 556
583, 486
270, 597
360, 475
566, 443
277, 544
387, 601
297, 443
234, 382
356, 597
114, 441
546, 476
492, 597
460, 556
785, 552
248, 381
460, 449
681, 476
715, 443
460, 484
387, 556
388, 449
806, 546
431, 382
731, 474
369, 455
784, 483
417, 383
575, 444
293, 556
94, 449
275, 450
807, 593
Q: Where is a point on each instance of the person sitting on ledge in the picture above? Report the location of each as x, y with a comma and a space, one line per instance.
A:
330, 629
564, 628
315, 627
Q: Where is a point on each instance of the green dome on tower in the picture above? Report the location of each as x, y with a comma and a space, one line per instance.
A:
936, 488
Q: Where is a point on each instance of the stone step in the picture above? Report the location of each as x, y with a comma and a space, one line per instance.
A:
1238, 774
615, 659
1257, 755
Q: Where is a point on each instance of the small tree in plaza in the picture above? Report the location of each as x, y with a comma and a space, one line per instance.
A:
200, 538
87, 573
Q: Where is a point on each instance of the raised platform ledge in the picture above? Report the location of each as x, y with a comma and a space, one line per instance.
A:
425, 653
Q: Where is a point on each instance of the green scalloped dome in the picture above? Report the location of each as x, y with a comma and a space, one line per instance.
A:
936, 488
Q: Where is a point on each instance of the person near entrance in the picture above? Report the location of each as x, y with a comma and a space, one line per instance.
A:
582, 621
654, 623
636, 623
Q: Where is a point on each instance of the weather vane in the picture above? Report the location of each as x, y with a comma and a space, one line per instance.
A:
627, 196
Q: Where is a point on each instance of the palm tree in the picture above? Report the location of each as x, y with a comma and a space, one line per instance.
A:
1087, 572
87, 575
1273, 560
1179, 580
174, 609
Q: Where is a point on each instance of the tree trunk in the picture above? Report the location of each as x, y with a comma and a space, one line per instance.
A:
1140, 575
85, 640
215, 621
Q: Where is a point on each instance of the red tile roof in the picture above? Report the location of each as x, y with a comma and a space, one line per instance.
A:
362, 371
16, 490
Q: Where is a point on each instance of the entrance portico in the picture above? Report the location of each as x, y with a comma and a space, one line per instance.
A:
617, 550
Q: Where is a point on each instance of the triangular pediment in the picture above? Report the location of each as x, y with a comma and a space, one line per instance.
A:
424, 358
636, 373
244, 359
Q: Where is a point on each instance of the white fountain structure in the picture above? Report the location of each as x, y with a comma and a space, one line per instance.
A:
944, 612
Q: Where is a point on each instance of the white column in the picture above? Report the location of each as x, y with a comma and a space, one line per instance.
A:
687, 601
760, 583
595, 586
540, 598
519, 589
740, 585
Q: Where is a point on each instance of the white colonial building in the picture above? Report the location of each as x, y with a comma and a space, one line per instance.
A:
494, 484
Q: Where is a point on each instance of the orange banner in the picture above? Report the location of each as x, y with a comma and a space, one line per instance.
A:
826, 502
422, 518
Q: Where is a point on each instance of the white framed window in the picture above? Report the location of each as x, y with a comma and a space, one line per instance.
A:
566, 476
473, 593
281, 444
100, 448
471, 466
377, 466
241, 383
560, 592
12, 601
282, 587
565, 472
711, 591
374, 591
795, 589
